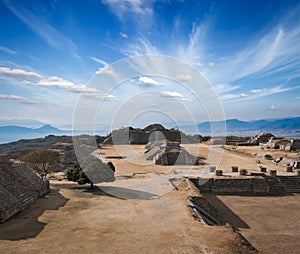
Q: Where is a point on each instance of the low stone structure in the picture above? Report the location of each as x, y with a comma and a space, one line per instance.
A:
169, 153
292, 162
234, 168
284, 144
19, 187
250, 185
219, 172
235, 140
261, 138
295, 144
205, 212
258, 184
130, 135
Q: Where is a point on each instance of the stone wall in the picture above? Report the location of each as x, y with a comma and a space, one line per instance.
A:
131, 135
19, 187
295, 144
257, 186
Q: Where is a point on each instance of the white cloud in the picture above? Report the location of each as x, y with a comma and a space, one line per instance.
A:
69, 86
106, 70
17, 98
273, 107
123, 35
173, 95
18, 73
243, 95
184, 77
228, 97
58, 82
256, 91
7, 50
146, 81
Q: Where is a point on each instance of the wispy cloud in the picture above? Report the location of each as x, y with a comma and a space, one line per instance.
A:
257, 93
140, 46
37, 23
273, 90
224, 88
17, 98
191, 48
7, 50
123, 35
121, 8
275, 52
18, 73
97, 60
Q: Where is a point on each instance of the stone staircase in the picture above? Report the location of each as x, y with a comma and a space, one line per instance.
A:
275, 187
19, 187
290, 184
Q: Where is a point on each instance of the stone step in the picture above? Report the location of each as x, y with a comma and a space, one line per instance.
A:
291, 184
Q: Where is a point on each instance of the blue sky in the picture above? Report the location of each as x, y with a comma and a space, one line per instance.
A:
50, 51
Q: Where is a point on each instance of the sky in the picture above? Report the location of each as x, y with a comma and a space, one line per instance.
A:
55, 56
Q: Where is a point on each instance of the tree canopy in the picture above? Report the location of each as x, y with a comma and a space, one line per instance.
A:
91, 170
43, 161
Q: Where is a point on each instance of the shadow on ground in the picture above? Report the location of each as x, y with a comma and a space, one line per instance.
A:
125, 193
226, 213
26, 224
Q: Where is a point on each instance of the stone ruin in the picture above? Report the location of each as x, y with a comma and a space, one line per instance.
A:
261, 138
130, 135
19, 187
169, 153
267, 140
295, 144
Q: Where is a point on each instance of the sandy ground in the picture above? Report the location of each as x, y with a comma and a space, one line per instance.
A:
73, 219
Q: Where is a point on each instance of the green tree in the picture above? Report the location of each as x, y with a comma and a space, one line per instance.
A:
43, 161
91, 170
76, 174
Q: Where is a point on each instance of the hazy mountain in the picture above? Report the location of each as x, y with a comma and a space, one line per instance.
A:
13, 133
285, 127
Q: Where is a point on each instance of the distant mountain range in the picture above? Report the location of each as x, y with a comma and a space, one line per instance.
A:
19, 129
285, 127
12, 133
